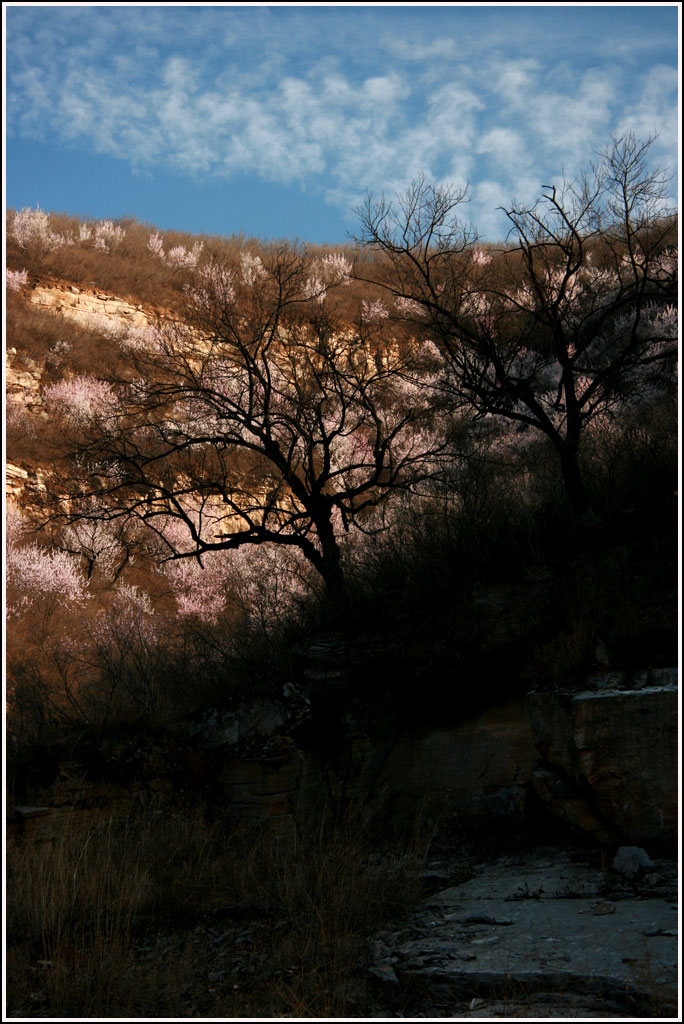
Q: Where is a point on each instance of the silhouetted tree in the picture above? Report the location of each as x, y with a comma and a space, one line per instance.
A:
574, 317
257, 419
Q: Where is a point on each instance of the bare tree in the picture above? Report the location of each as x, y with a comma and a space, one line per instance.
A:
259, 419
573, 317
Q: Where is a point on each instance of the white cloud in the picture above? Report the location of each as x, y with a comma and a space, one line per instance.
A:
385, 89
572, 123
515, 82
280, 96
655, 113
505, 146
422, 52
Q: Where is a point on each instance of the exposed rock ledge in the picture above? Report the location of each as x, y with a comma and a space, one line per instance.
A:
85, 305
602, 762
540, 934
606, 759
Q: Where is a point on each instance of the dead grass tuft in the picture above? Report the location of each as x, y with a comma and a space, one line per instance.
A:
82, 905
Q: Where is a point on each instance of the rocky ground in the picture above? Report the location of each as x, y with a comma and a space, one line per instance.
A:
543, 932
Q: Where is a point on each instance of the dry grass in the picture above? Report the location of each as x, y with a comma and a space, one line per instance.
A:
84, 904
131, 271
174, 915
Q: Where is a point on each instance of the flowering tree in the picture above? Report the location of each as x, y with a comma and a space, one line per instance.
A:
574, 318
81, 399
99, 545
15, 279
108, 236
38, 574
31, 230
258, 419
178, 258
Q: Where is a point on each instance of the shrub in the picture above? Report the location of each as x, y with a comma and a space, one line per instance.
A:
16, 279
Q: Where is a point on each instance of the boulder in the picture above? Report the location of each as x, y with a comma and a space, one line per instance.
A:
631, 861
252, 722
606, 760
480, 768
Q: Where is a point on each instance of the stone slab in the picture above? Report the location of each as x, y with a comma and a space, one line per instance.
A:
537, 922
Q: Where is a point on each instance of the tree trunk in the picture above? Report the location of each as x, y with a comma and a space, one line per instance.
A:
330, 566
582, 513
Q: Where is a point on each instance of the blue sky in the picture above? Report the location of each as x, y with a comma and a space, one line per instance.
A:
277, 120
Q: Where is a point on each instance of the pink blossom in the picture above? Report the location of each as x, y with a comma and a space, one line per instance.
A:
635, 257
268, 582
408, 307
430, 354
81, 398
477, 304
33, 226
36, 571
128, 626
373, 311
315, 289
523, 297
58, 351
97, 541
666, 263
175, 532
252, 268
156, 245
664, 323
103, 324
180, 258
108, 235
140, 339
15, 279
15, 524
336, 269
199, 589
219, 283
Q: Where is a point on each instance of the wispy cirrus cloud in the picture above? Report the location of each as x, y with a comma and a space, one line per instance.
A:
275, 93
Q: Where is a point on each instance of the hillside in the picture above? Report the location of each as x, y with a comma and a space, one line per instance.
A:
495, 514
271, 516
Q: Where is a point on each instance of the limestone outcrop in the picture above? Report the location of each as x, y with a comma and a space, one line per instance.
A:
602, 762
478, 769
23, 484
606, 758
89, 307
538, 933
23, 381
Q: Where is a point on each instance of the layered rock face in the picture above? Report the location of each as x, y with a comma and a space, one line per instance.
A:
602, 762
479, 769
607, 758
85, 306
23, 484
89, 309
25, 376
23, 380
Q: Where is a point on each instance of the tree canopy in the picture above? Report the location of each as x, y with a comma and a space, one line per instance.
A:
258, 418
574, 315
